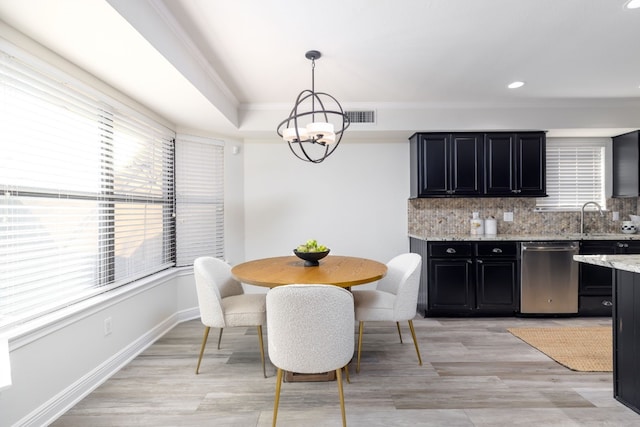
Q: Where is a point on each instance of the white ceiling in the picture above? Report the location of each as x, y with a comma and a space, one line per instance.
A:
236, 67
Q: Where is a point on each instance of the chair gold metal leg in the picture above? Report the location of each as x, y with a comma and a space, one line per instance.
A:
341, 392
360, 328
204, 343
346, 371
277, 398
261, 349
220, 338
415, 341
399, 333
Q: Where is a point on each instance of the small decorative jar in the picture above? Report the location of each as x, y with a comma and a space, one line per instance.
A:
477, 224
628, 227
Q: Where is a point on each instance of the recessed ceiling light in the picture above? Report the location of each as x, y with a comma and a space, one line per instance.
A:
515, 85
633, 4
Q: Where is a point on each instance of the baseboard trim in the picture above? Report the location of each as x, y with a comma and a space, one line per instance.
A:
67, 398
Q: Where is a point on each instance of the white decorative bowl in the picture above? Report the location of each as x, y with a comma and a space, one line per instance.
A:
628, 228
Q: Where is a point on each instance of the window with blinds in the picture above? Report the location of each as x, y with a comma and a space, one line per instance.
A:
86, 192
199, 199
575, 174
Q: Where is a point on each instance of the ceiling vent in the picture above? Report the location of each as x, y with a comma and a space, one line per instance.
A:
361, 116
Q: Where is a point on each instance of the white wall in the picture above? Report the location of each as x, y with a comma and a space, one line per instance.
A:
355, 202
233, 201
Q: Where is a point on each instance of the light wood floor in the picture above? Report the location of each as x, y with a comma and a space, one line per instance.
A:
475, 373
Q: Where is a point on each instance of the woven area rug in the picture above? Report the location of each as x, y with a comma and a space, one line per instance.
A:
587, 349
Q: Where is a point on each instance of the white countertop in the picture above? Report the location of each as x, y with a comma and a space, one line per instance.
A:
620, 262
528, 237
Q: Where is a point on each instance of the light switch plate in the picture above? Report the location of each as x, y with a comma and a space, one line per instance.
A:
615, 216
508, 216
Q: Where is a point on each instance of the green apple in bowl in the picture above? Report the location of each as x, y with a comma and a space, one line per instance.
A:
311, 252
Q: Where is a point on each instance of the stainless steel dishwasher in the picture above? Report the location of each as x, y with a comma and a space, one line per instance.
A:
549, 278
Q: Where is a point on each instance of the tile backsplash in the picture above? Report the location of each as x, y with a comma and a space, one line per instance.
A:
440, 216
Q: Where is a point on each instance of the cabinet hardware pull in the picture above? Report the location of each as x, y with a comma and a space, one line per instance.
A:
497, 251
479, 261
607, 303
451, 251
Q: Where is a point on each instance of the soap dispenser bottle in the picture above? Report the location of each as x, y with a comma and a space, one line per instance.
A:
477, 224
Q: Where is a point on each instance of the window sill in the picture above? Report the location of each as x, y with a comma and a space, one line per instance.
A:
5, 364
23, 334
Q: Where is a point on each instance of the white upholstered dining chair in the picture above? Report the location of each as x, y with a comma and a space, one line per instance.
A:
394, 299
310, 331
224, 304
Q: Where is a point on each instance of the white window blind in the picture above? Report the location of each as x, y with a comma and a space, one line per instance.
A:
86, 192
575, 174
199, 199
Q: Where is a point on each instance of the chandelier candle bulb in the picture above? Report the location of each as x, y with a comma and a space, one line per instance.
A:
320, 128
290, 135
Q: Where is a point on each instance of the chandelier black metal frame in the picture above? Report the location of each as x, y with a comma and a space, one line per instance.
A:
316, 127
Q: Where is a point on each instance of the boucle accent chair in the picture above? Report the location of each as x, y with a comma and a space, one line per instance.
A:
224, 304
395, 298
310, 331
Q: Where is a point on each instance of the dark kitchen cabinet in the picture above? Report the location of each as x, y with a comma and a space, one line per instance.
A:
596, 282
497, 277
446, 164
626, 165
626, 339
468, 164
467, 278
450, 280
515, 164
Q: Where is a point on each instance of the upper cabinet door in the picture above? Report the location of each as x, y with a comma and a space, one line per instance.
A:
531, 164
466, 164
515, 164
435, 170
626, 164
500, 164
444, 164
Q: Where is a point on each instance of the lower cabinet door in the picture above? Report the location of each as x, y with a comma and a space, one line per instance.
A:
451, 287
496, 286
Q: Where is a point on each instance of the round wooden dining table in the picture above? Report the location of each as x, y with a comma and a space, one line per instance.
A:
343, 271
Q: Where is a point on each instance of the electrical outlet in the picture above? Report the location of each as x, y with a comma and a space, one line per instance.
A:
615, 216
508, 216
107, 326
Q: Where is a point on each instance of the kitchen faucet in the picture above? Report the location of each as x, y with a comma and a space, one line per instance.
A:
582, 214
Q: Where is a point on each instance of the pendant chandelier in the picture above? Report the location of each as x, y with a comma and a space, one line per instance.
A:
316, 123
